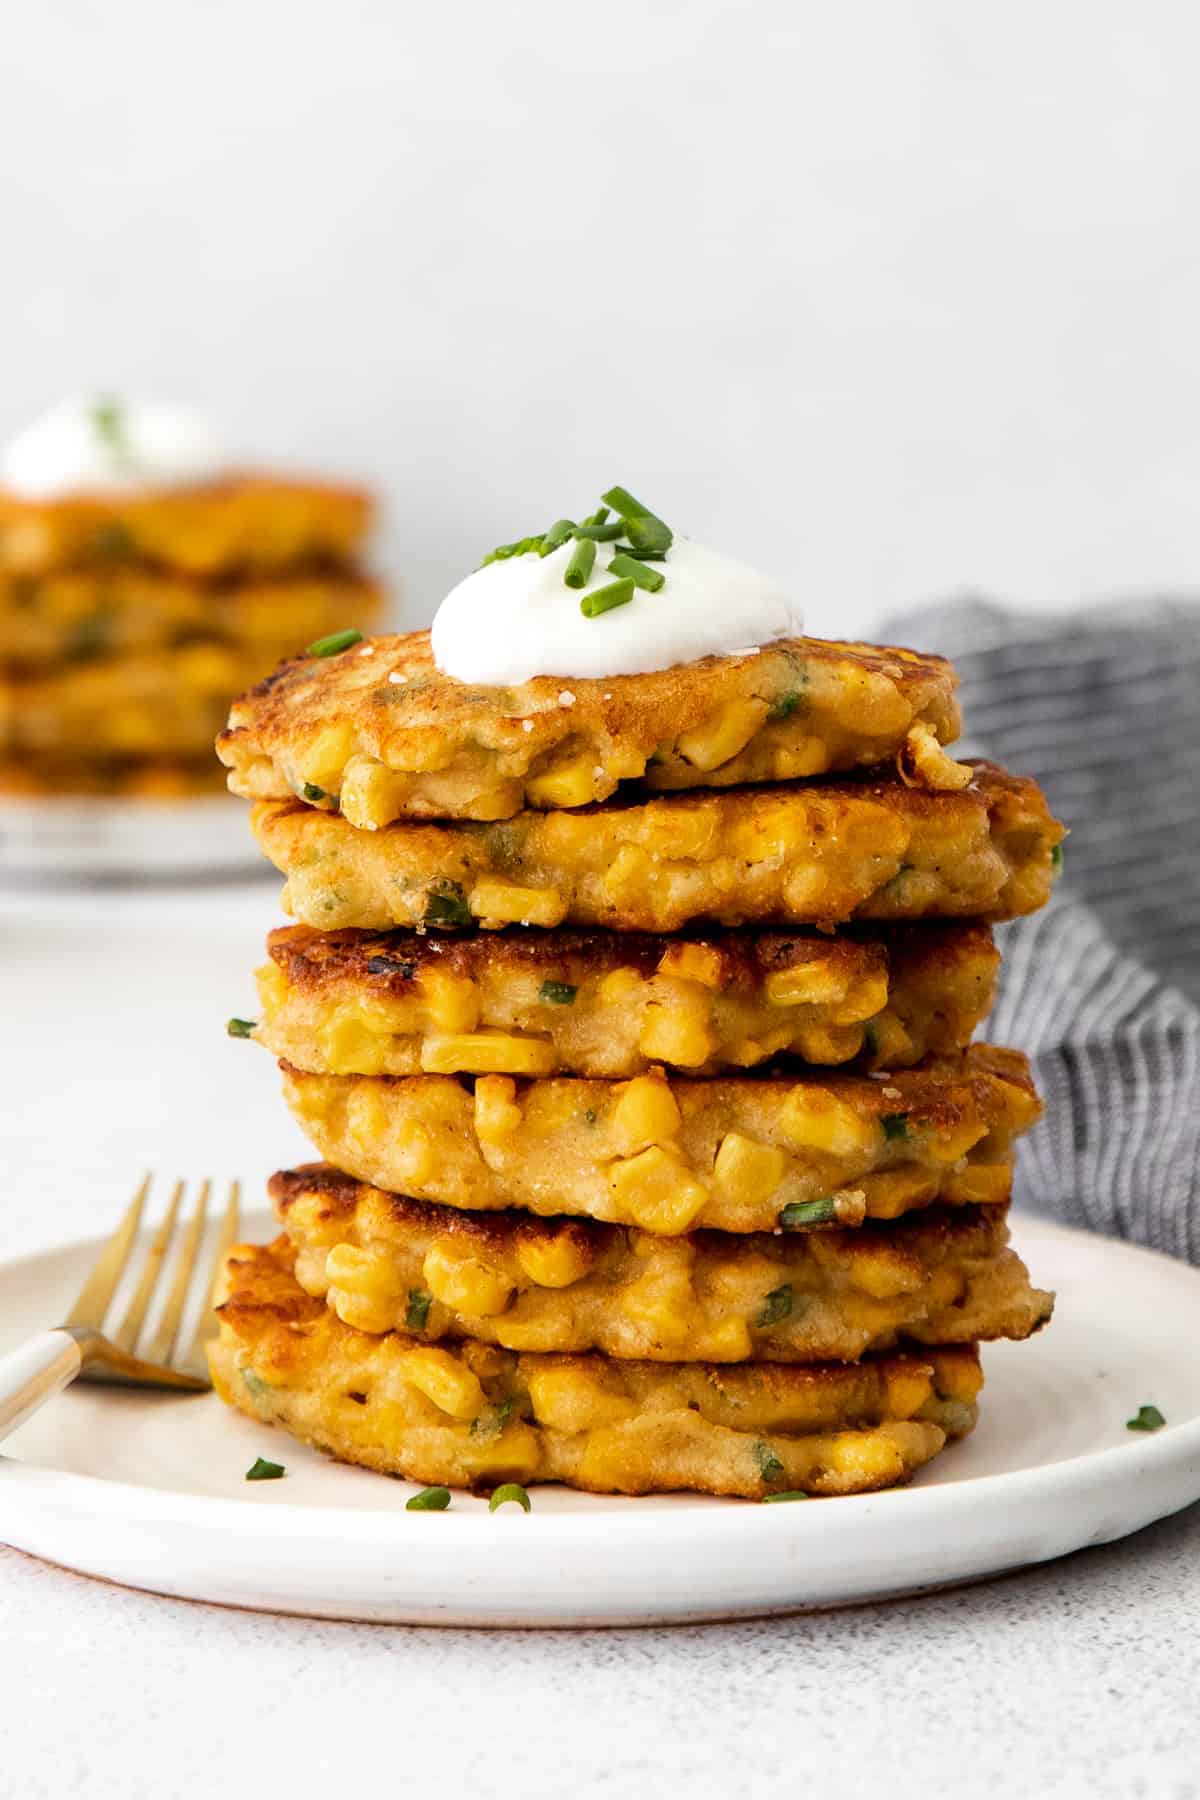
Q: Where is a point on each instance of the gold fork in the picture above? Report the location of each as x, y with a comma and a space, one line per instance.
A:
78, 1348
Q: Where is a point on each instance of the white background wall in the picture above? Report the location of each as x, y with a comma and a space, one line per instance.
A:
890, 298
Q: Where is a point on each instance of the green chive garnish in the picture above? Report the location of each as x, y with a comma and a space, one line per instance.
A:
1148, 1419
579, 566
776, 1306
643, 555
769, 1465
787, 1494
419, 1302
332, 645
895, 1125
435, 1499
599, 517
240, 1027
311, 791
445, 904
639, 573
600, 534
557, 993
109, 425
262, 1470
602, 600
808, 1212
510, 1491
784, 707
558, 534
1056, 857
649, 534
623, 503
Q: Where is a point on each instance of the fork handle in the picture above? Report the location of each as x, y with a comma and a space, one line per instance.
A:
36, 1371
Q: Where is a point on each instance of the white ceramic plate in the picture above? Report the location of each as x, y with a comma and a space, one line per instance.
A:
151, 1492
99, 839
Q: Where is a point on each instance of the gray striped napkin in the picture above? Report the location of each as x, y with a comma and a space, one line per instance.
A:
1102, 990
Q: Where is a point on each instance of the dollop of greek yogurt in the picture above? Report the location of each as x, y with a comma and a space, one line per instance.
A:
95, 445
514, 619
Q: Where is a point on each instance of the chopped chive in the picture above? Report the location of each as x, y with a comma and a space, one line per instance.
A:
623, 502
599, 517
240, 1027
785, 706
334, 644
491, 1422
510, 1491
1148, 1419
599, 534
643, 555
895, 1125
311, 791
638, 572
579, 565
808, 1212
108, 423
769, 1465
602, 600
649, 534
558, 534
254, 1384
776, 1306
1056, 857
434, 1499
445, 904
417, 1316
785, 1494
558, 993
520, 547
262, 1470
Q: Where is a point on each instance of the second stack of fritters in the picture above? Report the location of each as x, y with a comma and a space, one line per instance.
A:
620, 1084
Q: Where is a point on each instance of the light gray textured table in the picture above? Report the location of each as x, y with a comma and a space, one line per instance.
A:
1080, 1678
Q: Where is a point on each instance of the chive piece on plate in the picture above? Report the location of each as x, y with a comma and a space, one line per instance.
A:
108, 422
784, 707
262, 1470
776, 1306
510, 1491
649, 533
769, 1465
808, 1212
639, 573
434, 1499
334, 644
579, 566
895, 1125
623, 502
557, 535
602, 600
558, 993
1148, 1419
445, 904
311, 791
1056, 857
599, 517
239, 1027
419, 1302
599, 534
786, 1494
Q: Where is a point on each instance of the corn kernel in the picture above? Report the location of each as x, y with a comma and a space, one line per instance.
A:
354, 1038
677, 1031
747, 1171
501, 903
445, 1380
818, 1120
830, 1044
693, 962
363, 1312
627, 875
362, 1272
720, 738
325, 756
497, 1114
618, 987
414, 1154
568, 1401
881, 1272
452, 1000
866, 997
979, 1184
554, 1262
464, 1283
646, 1113
813, 983
891, 1192
907, 1391
488, 1052
923, 763
953, 1142
371, 794
728, 1341
570, 784
657, 1191
273, 988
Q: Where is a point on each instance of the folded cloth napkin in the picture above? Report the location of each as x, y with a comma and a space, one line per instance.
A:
1102, 989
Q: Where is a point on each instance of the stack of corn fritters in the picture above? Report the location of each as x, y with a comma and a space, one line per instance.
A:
130, 619
632, 1018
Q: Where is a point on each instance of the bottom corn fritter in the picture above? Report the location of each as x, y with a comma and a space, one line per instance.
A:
387, 1263
739, 1153
478, 1415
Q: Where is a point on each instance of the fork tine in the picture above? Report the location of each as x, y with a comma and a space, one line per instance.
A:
206, 1326
160, 1346
95, 1296
126, 1338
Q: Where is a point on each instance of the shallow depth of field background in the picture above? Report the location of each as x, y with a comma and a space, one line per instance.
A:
891, 300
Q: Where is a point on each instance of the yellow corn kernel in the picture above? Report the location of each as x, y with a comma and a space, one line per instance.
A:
747, 1171
324, 757
646, 1113
722, 736
570, 784
372, 795
501, 903
554, 1262
445, 1380
354, 1038
568, 1401
273, 988
677, 1030
953, 1142
627, 875
488, 1052
818, 1120
663, 1304
791, 762
516, 1455
367, 1272
728, 1341
464, 1283
414, 1154
497, 1114
830, 1044
618, 987
452, 1001
866, 997
923, 763
958, 1377
979, 1184
907, 1392
877, 1270
891, 1192
657, 1191
694, 962
815, 983
362, 1312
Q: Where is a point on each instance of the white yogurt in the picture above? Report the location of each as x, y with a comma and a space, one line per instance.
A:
515, 619
95, 445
